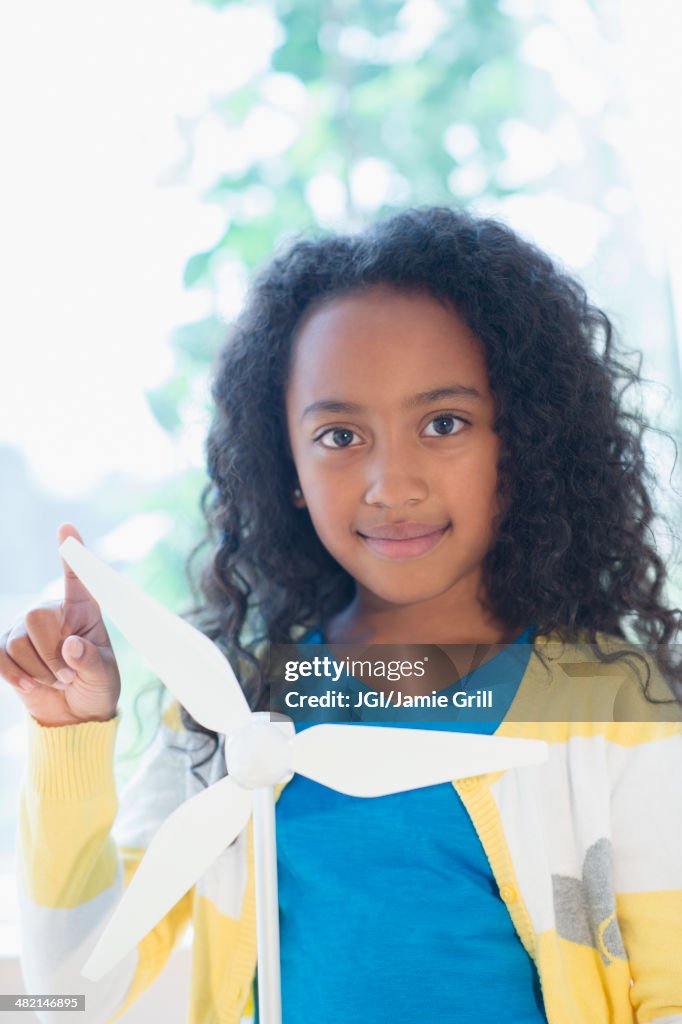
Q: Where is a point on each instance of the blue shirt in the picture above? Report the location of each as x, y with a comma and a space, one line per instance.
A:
389, 910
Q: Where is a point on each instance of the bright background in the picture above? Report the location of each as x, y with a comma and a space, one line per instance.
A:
155, 153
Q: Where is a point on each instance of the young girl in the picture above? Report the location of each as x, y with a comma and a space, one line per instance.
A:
418, 438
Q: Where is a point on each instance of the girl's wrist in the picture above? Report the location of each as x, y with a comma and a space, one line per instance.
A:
72, 720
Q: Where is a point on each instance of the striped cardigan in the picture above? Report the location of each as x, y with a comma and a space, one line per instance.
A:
586, 851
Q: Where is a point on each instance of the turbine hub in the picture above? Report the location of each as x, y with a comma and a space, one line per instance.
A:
261, 753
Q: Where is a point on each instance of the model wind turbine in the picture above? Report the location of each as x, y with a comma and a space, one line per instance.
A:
365, 761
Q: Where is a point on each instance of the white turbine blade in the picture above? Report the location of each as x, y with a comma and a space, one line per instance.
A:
370, 760
191, 666
187, 843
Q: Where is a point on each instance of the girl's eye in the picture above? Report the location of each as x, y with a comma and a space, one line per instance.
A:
445, 425
340, 436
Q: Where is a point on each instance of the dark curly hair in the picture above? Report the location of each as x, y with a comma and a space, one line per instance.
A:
574, 548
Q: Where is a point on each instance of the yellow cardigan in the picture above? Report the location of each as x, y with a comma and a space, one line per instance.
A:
586, 851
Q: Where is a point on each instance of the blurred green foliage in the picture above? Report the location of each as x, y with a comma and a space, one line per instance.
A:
341, 106
383, 105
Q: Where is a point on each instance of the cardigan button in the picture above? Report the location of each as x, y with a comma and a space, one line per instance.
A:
468, 784
508, 894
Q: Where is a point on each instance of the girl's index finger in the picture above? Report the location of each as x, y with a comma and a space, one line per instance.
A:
74, 589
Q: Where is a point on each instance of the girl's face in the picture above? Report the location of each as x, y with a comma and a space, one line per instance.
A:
390, 420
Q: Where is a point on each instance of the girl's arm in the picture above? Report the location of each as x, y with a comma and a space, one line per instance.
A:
646, 773
72, 871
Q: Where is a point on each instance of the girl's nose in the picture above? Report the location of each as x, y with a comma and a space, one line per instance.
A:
392, 483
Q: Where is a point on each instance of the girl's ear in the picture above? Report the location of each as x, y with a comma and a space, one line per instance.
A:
298, 499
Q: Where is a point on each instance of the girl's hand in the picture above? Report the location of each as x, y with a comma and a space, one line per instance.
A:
58, 656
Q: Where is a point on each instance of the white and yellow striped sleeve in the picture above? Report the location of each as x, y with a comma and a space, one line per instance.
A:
71, 870
646, 807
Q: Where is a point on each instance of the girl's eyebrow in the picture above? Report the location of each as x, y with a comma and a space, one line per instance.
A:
421, 398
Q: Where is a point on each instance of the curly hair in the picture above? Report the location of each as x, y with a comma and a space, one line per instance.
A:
573, 549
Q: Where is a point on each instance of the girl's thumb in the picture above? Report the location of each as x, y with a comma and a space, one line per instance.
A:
73, 650
82, 656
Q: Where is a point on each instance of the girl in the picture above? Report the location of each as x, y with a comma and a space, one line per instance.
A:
419, 437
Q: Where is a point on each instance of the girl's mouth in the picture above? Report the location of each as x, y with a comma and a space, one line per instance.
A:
411, 547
